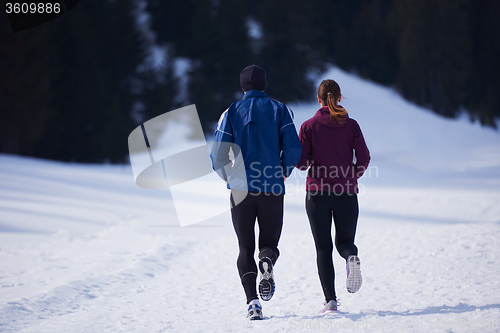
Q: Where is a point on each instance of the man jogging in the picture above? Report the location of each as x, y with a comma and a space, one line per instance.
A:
260, 130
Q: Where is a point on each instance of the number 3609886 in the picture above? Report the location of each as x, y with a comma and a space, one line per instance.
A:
33, 8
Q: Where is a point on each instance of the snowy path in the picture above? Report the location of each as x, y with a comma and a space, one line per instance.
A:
161, 283
421, 272
82, 249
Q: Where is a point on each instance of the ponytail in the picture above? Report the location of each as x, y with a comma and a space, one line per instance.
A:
329, 93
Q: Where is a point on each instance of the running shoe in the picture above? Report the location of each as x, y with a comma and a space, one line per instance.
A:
266, 284
254, 310
330, 307
354, 279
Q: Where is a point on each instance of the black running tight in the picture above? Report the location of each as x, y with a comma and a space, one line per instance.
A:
321, 209
268, 210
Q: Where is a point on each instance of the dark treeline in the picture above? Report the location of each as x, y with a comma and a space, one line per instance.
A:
73, 89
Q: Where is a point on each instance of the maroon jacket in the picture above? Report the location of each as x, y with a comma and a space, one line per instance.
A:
327, 148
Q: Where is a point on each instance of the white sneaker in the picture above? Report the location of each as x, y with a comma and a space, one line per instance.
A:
254, 310
354, 279
330, 307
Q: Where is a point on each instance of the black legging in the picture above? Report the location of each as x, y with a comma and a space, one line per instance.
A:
321, 207
268, 210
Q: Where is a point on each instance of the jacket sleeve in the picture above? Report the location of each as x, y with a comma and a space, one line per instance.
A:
290, 145
220, 150
304, 161
360, 151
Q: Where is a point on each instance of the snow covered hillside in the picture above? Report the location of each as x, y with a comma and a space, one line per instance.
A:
83, 249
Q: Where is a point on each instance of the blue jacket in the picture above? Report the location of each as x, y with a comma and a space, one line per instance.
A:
270, 148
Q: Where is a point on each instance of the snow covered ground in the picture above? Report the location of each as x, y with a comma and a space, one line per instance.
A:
83, 249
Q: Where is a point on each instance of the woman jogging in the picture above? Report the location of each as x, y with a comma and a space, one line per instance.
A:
329, 139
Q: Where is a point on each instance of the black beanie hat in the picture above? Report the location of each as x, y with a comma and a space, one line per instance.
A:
253, 77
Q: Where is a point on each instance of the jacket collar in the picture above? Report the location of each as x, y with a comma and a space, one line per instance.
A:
325, 109
323, 117
254, 93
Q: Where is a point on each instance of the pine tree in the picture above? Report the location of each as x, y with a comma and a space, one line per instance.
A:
221, 51
483, 100
434, 49
286, 53
95, 51
25, 88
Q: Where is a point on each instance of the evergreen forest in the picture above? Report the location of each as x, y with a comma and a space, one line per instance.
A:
74, 88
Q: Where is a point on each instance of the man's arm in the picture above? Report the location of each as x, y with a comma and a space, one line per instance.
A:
222, 142
290, 145
304, 161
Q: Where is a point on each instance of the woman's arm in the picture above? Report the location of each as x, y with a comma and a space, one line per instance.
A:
361, 152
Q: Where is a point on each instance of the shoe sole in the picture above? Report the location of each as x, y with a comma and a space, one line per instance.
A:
354, 279
266, 284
